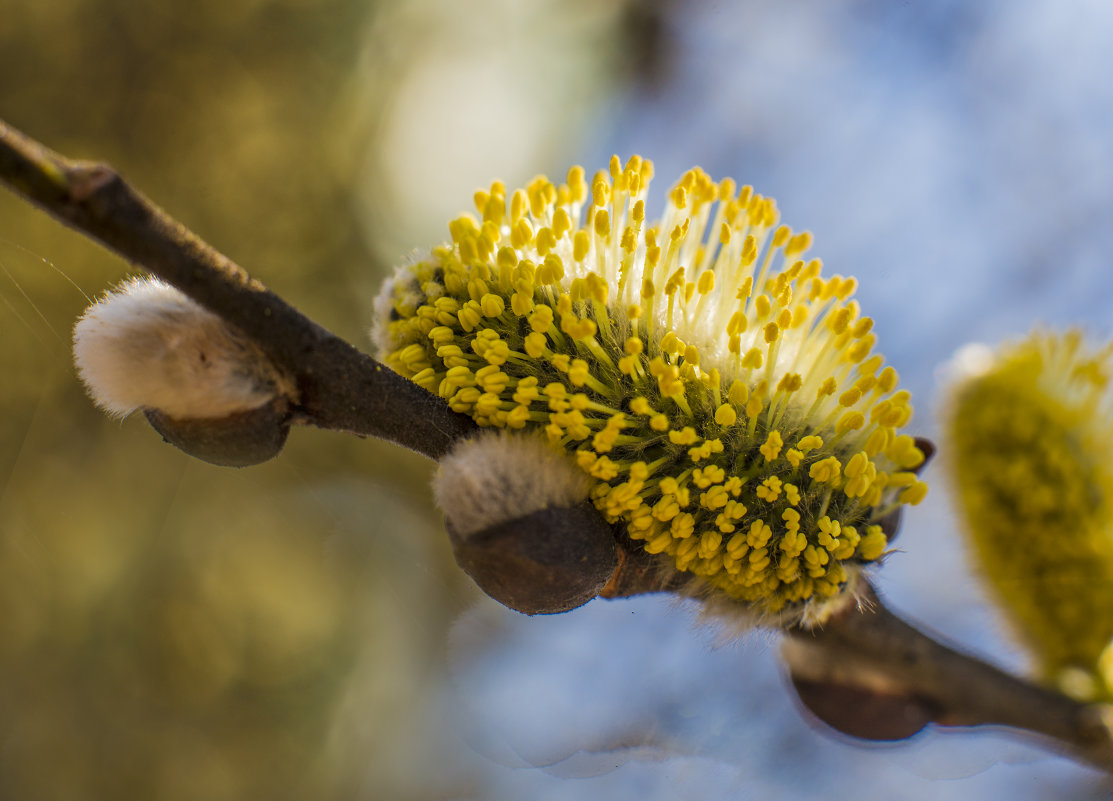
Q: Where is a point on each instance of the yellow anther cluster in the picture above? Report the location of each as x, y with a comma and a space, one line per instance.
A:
719, 389
1031, 435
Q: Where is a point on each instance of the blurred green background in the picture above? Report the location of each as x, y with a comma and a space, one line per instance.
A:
172, 630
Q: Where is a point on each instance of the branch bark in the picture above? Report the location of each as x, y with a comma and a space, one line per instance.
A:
867, 646
339, 387
865, 654
343, 389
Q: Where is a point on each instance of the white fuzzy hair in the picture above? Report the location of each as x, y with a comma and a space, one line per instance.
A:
146, 345
498, 476
733, 619
384, 303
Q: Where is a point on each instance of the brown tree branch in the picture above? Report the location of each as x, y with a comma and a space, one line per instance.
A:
338, 387
865, 651
868, 647
866, 660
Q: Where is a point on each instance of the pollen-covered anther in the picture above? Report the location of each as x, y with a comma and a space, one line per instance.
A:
770, 489
772, 447
825, 471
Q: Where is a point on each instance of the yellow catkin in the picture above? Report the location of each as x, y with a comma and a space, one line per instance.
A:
654, 352
1030, 435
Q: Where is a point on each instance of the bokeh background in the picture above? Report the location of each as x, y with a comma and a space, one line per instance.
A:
171, 630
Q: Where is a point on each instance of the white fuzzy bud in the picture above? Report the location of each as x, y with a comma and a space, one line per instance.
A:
147, 345
498, 476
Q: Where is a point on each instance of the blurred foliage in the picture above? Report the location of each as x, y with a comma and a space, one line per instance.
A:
170, 629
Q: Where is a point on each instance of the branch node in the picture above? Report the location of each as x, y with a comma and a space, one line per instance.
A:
86, 178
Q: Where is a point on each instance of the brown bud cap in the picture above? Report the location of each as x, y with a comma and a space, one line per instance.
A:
842, 684
237, 440
547, 561
863, 712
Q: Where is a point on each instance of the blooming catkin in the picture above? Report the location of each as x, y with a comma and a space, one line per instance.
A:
1030, 436
720, 392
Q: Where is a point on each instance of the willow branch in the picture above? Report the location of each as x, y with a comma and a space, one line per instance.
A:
341, 388
870, 651
954, 688
338, 386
